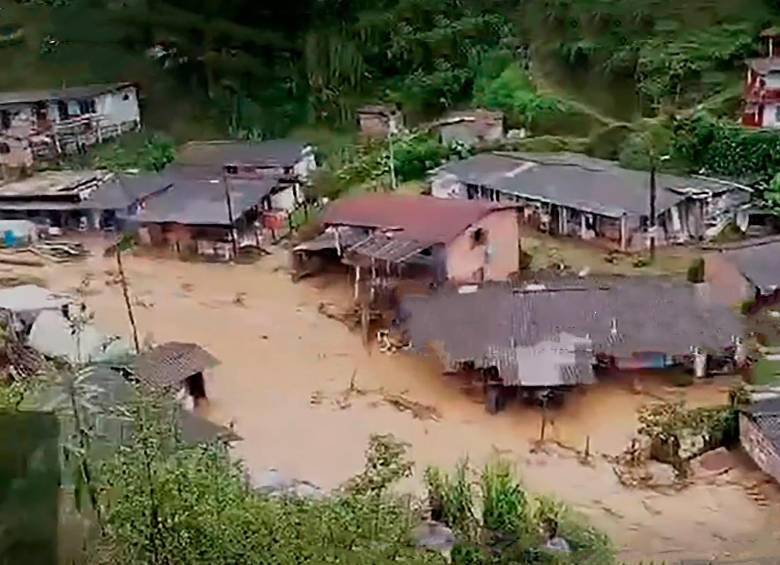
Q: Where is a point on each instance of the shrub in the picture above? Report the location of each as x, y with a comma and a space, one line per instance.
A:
696, 271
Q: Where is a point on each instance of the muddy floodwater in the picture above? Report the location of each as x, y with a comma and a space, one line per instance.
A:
284, 382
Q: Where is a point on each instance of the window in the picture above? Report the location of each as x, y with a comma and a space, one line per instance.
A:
62, 110
231, 169
126, 96
87, 107
5, 119
5, 149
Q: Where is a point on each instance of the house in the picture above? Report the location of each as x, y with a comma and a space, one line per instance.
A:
759, 433
448, 239
378, 121
38, 125
550, 336
471, 127
576, 195
762, 86
745, 270
290, 162
120, 197
174, 367
55, 198
204, 217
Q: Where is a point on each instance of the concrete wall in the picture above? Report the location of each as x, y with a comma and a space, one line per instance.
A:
498, 257
119, 107
727, 285
759, 448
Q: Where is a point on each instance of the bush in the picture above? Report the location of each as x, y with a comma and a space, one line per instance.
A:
747, 306
696, 271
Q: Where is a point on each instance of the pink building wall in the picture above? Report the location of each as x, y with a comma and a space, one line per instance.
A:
497, 257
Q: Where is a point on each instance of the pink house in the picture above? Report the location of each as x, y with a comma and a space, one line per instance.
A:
455, 240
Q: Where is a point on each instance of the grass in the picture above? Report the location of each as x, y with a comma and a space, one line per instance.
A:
766, 372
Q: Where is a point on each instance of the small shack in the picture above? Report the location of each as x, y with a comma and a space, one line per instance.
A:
175, 367
471, 127
378, 121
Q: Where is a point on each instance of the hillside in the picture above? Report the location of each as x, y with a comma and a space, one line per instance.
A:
262, 68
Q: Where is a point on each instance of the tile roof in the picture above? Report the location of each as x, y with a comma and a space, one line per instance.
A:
87, 91
202, 202
577, 181
274, 152
167, 365
648, 315
425, 219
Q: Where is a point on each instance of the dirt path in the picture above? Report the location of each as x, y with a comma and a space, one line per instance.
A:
285, 369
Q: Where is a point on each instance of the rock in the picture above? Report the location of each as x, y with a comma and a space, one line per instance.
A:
557, 545
271, 481
662, 474
434, 536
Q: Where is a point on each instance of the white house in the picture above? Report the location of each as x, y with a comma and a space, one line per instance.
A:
36, 125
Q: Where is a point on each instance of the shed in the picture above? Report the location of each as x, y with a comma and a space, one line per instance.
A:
471, 127
377, 121
175, 366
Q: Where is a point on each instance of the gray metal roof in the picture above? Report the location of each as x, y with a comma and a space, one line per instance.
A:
759, 263
274, 152
647, 314
202, 202
577, 181
87, 91
766, 414
122, 191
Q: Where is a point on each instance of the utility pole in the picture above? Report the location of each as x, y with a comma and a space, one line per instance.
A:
391, 129
229, 204
652, 207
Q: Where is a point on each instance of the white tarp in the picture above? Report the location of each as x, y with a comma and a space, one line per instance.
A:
30, 298
54, 336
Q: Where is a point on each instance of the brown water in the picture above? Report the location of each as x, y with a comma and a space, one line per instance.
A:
285, 369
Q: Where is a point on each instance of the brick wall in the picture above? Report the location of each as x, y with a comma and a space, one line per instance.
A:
759, 448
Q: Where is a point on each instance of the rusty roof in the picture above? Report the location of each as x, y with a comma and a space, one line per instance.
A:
424, 219
617, 316
167, 365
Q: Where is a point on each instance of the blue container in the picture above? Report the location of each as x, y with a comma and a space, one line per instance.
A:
9, 239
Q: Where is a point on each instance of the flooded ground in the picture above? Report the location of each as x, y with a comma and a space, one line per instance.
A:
286, 373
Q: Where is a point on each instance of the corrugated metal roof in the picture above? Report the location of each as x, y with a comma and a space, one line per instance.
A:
425, 219
577, 181
647, 315
122, 191
167, 365
383, 248
202, 202
759, 263
70, 93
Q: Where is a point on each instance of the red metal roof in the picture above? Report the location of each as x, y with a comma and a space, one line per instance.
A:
422, 218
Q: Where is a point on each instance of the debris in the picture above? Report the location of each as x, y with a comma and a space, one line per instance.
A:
187, 287
418, 410
351, 317
240, 299
434, 536
390, 344
60, 251
14, 259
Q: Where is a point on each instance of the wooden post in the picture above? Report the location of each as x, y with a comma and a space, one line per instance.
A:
623, 232
229, 204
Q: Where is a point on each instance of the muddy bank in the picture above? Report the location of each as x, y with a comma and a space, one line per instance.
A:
286, 370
